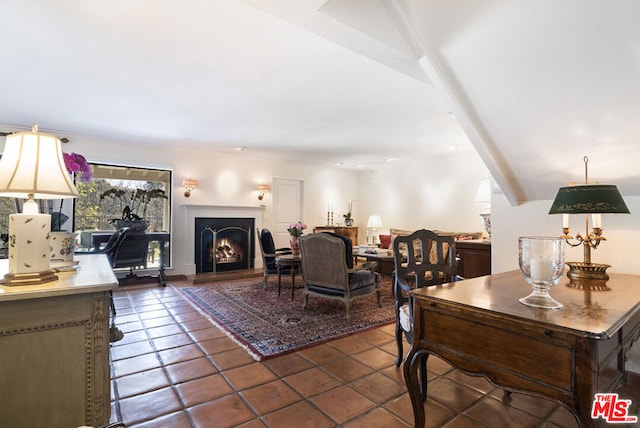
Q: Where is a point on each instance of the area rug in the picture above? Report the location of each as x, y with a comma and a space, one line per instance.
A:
268, 325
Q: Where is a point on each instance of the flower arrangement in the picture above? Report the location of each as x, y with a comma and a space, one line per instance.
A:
296, 229
78, 165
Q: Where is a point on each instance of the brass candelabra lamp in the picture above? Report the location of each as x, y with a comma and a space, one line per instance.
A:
588, 199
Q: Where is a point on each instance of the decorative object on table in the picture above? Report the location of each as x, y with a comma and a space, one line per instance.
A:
296, 230
263, 189
374, 223
135, 202
483, 199
189, 184
348, 220
541, 263
32, 167
267, 326
330, 215
61, 246
587, 199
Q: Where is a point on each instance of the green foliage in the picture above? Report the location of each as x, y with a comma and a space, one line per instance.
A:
134, 202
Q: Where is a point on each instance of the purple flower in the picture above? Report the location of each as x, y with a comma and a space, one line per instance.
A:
78, 165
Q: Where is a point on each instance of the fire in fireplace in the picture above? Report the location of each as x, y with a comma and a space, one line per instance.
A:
224, 244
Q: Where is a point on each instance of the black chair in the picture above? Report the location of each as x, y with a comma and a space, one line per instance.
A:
421, 259
269, 254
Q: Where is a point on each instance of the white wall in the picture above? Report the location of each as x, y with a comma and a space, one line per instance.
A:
532, 218
434, 193
224, 179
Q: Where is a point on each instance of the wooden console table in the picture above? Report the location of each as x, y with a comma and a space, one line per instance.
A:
567, 354
474, 258
350, 232
54, 348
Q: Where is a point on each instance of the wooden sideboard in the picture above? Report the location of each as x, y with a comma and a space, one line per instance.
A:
474, 258
350, 232
54, 348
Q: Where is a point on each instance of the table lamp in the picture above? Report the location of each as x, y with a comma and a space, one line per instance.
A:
595, 199
374, 223
32, 167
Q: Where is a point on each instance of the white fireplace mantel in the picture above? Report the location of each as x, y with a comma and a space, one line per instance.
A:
192, 211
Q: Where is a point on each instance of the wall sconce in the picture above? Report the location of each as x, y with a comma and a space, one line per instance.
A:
189, 184
262, 190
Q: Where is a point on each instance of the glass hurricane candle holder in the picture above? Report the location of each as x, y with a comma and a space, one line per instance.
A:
541, 263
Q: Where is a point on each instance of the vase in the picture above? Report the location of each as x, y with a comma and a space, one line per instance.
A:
294, 243
61, 246
541, 262
348, 222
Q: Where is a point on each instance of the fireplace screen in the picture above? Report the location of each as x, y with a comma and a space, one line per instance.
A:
223, 248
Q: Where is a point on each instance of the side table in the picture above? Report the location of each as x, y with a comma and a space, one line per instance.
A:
294, 262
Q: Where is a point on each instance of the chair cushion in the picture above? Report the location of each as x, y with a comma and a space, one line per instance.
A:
405, 317
363, 279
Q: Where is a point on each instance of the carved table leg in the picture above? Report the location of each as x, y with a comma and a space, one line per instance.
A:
412, 364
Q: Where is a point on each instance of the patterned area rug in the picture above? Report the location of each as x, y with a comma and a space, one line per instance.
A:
268, 325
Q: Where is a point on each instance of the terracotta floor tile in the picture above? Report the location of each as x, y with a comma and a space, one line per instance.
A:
153, 307
135, 364
132, 337
347, 369
158, 322
438, 366
379, 418
299, 415
312, 382
165, 330
231, 359
127, 327
479, 383
378, 337
270, 396
197, 324
228, 411
172, 341
124, 319
537, 406
181, 353
491, 412
249, 376
188, 316
342, 404
118, 352
452, 394
207, 334
563, 417
145, 407
253, 423
462, 421
203, 389
378, 388
220, 344
173, 420
288, 364
322, 353
375, 358
350, 344
192, 369
140, 383
153, 314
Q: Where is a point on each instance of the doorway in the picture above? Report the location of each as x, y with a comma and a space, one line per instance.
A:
288, 197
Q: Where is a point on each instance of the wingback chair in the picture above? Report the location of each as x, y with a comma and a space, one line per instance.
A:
269, 254
327, 270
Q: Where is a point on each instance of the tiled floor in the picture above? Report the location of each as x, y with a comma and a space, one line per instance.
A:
175, 369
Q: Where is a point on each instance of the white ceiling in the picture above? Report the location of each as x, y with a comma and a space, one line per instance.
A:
534, 85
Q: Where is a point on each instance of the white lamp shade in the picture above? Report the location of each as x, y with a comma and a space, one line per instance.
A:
374, 221
32, 164
483, 194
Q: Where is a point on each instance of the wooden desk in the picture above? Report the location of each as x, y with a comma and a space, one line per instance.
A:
567, 354
163, 238
54, 348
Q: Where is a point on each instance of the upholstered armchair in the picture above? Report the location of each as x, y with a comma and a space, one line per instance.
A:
269, 254
327, 270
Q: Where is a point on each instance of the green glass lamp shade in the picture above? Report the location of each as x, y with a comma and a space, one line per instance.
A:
599, 198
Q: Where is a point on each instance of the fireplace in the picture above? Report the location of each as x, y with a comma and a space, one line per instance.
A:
224, 244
